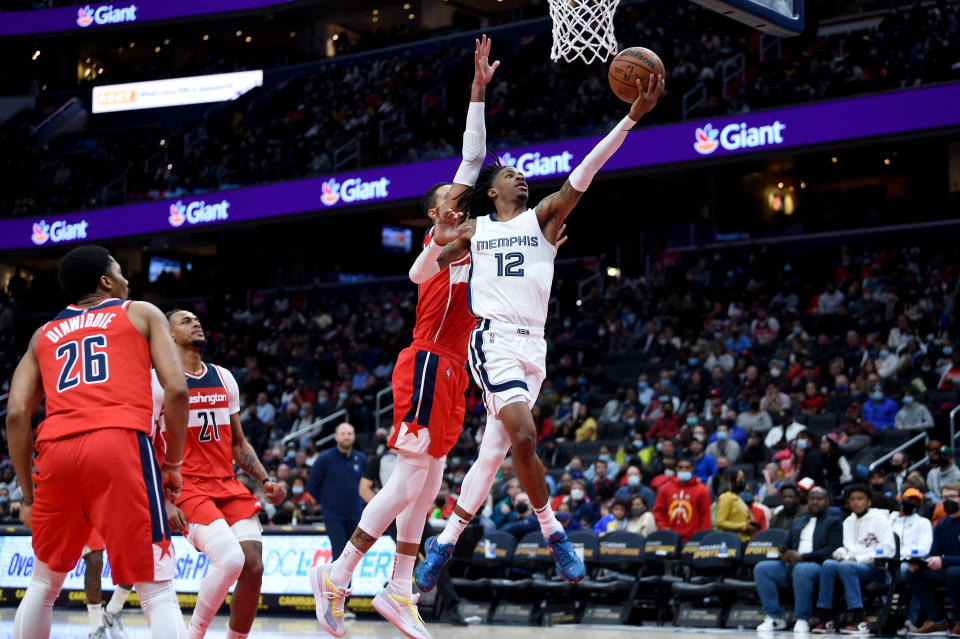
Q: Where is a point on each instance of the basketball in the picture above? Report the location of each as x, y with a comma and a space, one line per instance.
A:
630, 64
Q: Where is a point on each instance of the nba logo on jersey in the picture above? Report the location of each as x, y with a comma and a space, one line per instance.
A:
448, 373
493, 338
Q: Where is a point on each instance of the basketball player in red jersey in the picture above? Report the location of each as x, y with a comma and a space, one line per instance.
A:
221, 514
92, 362
429, 383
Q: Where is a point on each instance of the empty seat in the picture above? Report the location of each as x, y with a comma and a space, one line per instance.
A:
718, 553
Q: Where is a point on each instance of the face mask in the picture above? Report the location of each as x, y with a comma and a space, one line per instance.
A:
343, 396
691, 421
297, 490
801, 444
576, 494
604, 457
271, 388
787, 268
797, 330
633, 480
693, 361
664, 398
642, 386
884, 354
638, 444
699, 437
636, 513
926, 369
950, 506
659, 448
522, 508
841, 388
669, 472
576, 474
684, 475
907, 400
721, 435
876, 396
948, 350
774, 372
909, 507
303, 413
243, 405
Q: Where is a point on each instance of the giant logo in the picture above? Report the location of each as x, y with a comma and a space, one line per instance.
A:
106, 14
59, 231
735, 136
353, 190
535, 164
198, 212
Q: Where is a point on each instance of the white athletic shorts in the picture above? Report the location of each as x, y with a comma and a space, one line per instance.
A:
508, 363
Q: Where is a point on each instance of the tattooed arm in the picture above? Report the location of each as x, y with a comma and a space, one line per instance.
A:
246, 458
456, 249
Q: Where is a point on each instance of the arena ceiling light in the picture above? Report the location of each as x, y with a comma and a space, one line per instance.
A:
200, 89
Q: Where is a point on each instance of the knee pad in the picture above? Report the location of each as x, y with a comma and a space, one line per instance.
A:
46, 582
248, 529
218, 542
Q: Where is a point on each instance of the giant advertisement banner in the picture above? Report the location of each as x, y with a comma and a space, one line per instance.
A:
128, 12
198, 89
685, 142
286, 560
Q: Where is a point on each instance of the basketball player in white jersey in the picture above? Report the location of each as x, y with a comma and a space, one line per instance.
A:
512, 250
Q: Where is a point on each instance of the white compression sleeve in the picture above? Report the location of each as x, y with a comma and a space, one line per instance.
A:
582, 175
474, 146
158, 600
426, 265
35, 613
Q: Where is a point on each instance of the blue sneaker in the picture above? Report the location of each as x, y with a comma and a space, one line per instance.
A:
568, 563
428, 571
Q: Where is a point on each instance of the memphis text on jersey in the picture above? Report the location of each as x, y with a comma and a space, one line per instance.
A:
58, 331
507, 242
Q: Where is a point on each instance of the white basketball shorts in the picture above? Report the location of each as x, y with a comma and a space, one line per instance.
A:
508, 363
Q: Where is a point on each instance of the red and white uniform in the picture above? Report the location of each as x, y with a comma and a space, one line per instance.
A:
95, 465
210, 488
429, 380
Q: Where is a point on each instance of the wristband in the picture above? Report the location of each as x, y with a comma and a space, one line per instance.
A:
172, 464
269, 479
28, 502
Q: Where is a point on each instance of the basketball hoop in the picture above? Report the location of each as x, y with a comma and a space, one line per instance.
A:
583, 29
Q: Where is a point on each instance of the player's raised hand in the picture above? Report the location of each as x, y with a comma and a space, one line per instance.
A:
447, 227
275, 492
648, 97
175, 517
482, 69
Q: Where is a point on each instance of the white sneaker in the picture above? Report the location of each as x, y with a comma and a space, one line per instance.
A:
330, 600
769, 624
802, 626
114, 625
402, 613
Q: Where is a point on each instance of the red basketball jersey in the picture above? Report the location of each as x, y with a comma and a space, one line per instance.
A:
443, 316
208, 450
95, 367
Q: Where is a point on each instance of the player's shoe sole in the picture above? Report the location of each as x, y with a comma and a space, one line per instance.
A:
330, 600
402, 613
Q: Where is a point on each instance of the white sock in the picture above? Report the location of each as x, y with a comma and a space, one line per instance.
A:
549, 523
158, 600
452, 531
218, 542
401, 584
35, 613
119, 598
233, 634
95, 612
346, 563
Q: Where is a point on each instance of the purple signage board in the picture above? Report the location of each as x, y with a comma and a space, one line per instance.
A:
685, 142
124, 12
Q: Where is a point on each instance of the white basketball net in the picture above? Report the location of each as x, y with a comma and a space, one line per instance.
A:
583, 29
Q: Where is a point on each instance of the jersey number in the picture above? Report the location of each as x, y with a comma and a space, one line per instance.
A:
93, 368
512, 267
209, 423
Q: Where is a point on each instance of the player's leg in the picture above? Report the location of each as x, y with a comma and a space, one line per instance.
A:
158, 600
221, 547
93, 568
34, 616
111, 616
397, 602
246, 596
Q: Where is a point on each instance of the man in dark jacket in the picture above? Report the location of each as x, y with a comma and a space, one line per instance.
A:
811, 540
942, 566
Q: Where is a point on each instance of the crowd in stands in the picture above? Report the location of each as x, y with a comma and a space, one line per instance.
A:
419, 98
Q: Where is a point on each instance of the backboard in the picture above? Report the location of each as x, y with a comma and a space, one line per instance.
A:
783, 18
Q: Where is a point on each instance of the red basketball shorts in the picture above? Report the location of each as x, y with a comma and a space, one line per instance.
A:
94, 543
105, 480
428, 400
205, 499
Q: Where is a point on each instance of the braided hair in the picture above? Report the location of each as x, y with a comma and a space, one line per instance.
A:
475, 202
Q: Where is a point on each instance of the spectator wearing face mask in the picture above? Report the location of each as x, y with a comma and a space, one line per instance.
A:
755, 452
881, 411
524, 519
775, 401
884, 494
943, 472
583, 511
723, 445
913, 415
683, 503
942, 565
633, 485
789, 509
604, 468
640, 520
666, 425
302, 501
733, 514
704, 466
916, 536
950, 377
615, 520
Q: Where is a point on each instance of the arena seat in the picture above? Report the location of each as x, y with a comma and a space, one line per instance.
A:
492, 558
765, 545
718, 552
661, 555
821, 424
613, 584
515, 590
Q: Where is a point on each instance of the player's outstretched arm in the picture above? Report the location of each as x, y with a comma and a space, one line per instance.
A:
248, 462
554, 209
456, 249
26, 393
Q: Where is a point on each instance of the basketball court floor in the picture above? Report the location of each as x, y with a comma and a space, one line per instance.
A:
72, 624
